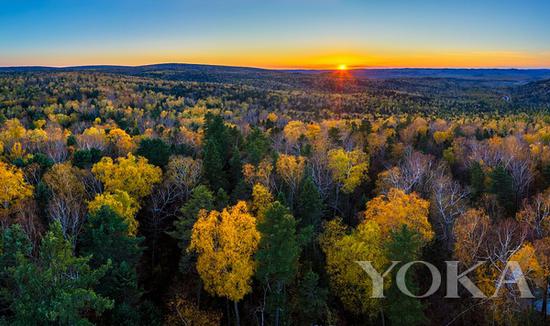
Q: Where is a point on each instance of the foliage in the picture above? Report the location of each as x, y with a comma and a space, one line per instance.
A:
348, 168
347, 279
106, 240
13, 186
58, 286
154, 150
225, 243
396, 209
121, 203
130, 174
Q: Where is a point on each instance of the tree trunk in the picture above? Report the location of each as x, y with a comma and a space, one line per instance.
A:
237, 318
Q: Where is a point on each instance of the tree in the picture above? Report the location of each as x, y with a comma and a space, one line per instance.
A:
291, 169
261, 200
277, 256
309, 205
13, 242
225, 244
311, 299
347, 280
477, 179
536, 214
66, 204
349, 169
155, 150
106, 239
120, 143
85, 158
184, 172
447, 203
502, 185
405, 246
201, 198
396, 209
56, 287
213, 165
120, 202
13, 187
216, 152
257, 146
131, 174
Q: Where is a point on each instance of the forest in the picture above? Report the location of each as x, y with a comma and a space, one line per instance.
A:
185, 195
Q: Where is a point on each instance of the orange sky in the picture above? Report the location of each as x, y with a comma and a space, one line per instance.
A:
295, 59
314, 34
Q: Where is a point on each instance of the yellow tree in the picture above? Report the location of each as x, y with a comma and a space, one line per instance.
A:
261, 199
131, 174
13, 187
122, 203
260, 174
291, 169
348, 169
293, 131
347, 280
396, 209
120, 141
225, 243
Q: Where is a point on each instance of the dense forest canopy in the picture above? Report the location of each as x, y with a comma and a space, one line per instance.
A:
197, 195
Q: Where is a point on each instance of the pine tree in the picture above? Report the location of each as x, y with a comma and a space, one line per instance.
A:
216, 151
105, 238
257, 146
311, 299
309, 205
405, 246
201, 198
277, 257
477, 179
502, 185
57, 287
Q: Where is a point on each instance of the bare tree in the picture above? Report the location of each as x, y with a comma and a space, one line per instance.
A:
67, 202
448, 202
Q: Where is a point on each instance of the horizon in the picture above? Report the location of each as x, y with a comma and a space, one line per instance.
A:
274, 69
277, 35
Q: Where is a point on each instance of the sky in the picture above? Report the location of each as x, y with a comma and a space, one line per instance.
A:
309, 34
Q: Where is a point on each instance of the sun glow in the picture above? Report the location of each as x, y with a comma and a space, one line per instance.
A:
342, 67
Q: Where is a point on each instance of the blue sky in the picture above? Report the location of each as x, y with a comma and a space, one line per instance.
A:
280, 34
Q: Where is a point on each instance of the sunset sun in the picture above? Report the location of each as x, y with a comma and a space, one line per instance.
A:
342, 67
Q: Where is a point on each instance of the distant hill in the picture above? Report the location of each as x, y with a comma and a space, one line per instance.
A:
506, 87
213, 73
534, 93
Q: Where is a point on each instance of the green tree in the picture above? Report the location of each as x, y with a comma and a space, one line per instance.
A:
257, 146
216, 144
405, 245
105, 238
277, 257
309, 205
155, 150
85, 158
13, 242
502, 185
477, 179
201, 198
311, 299
57, 287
